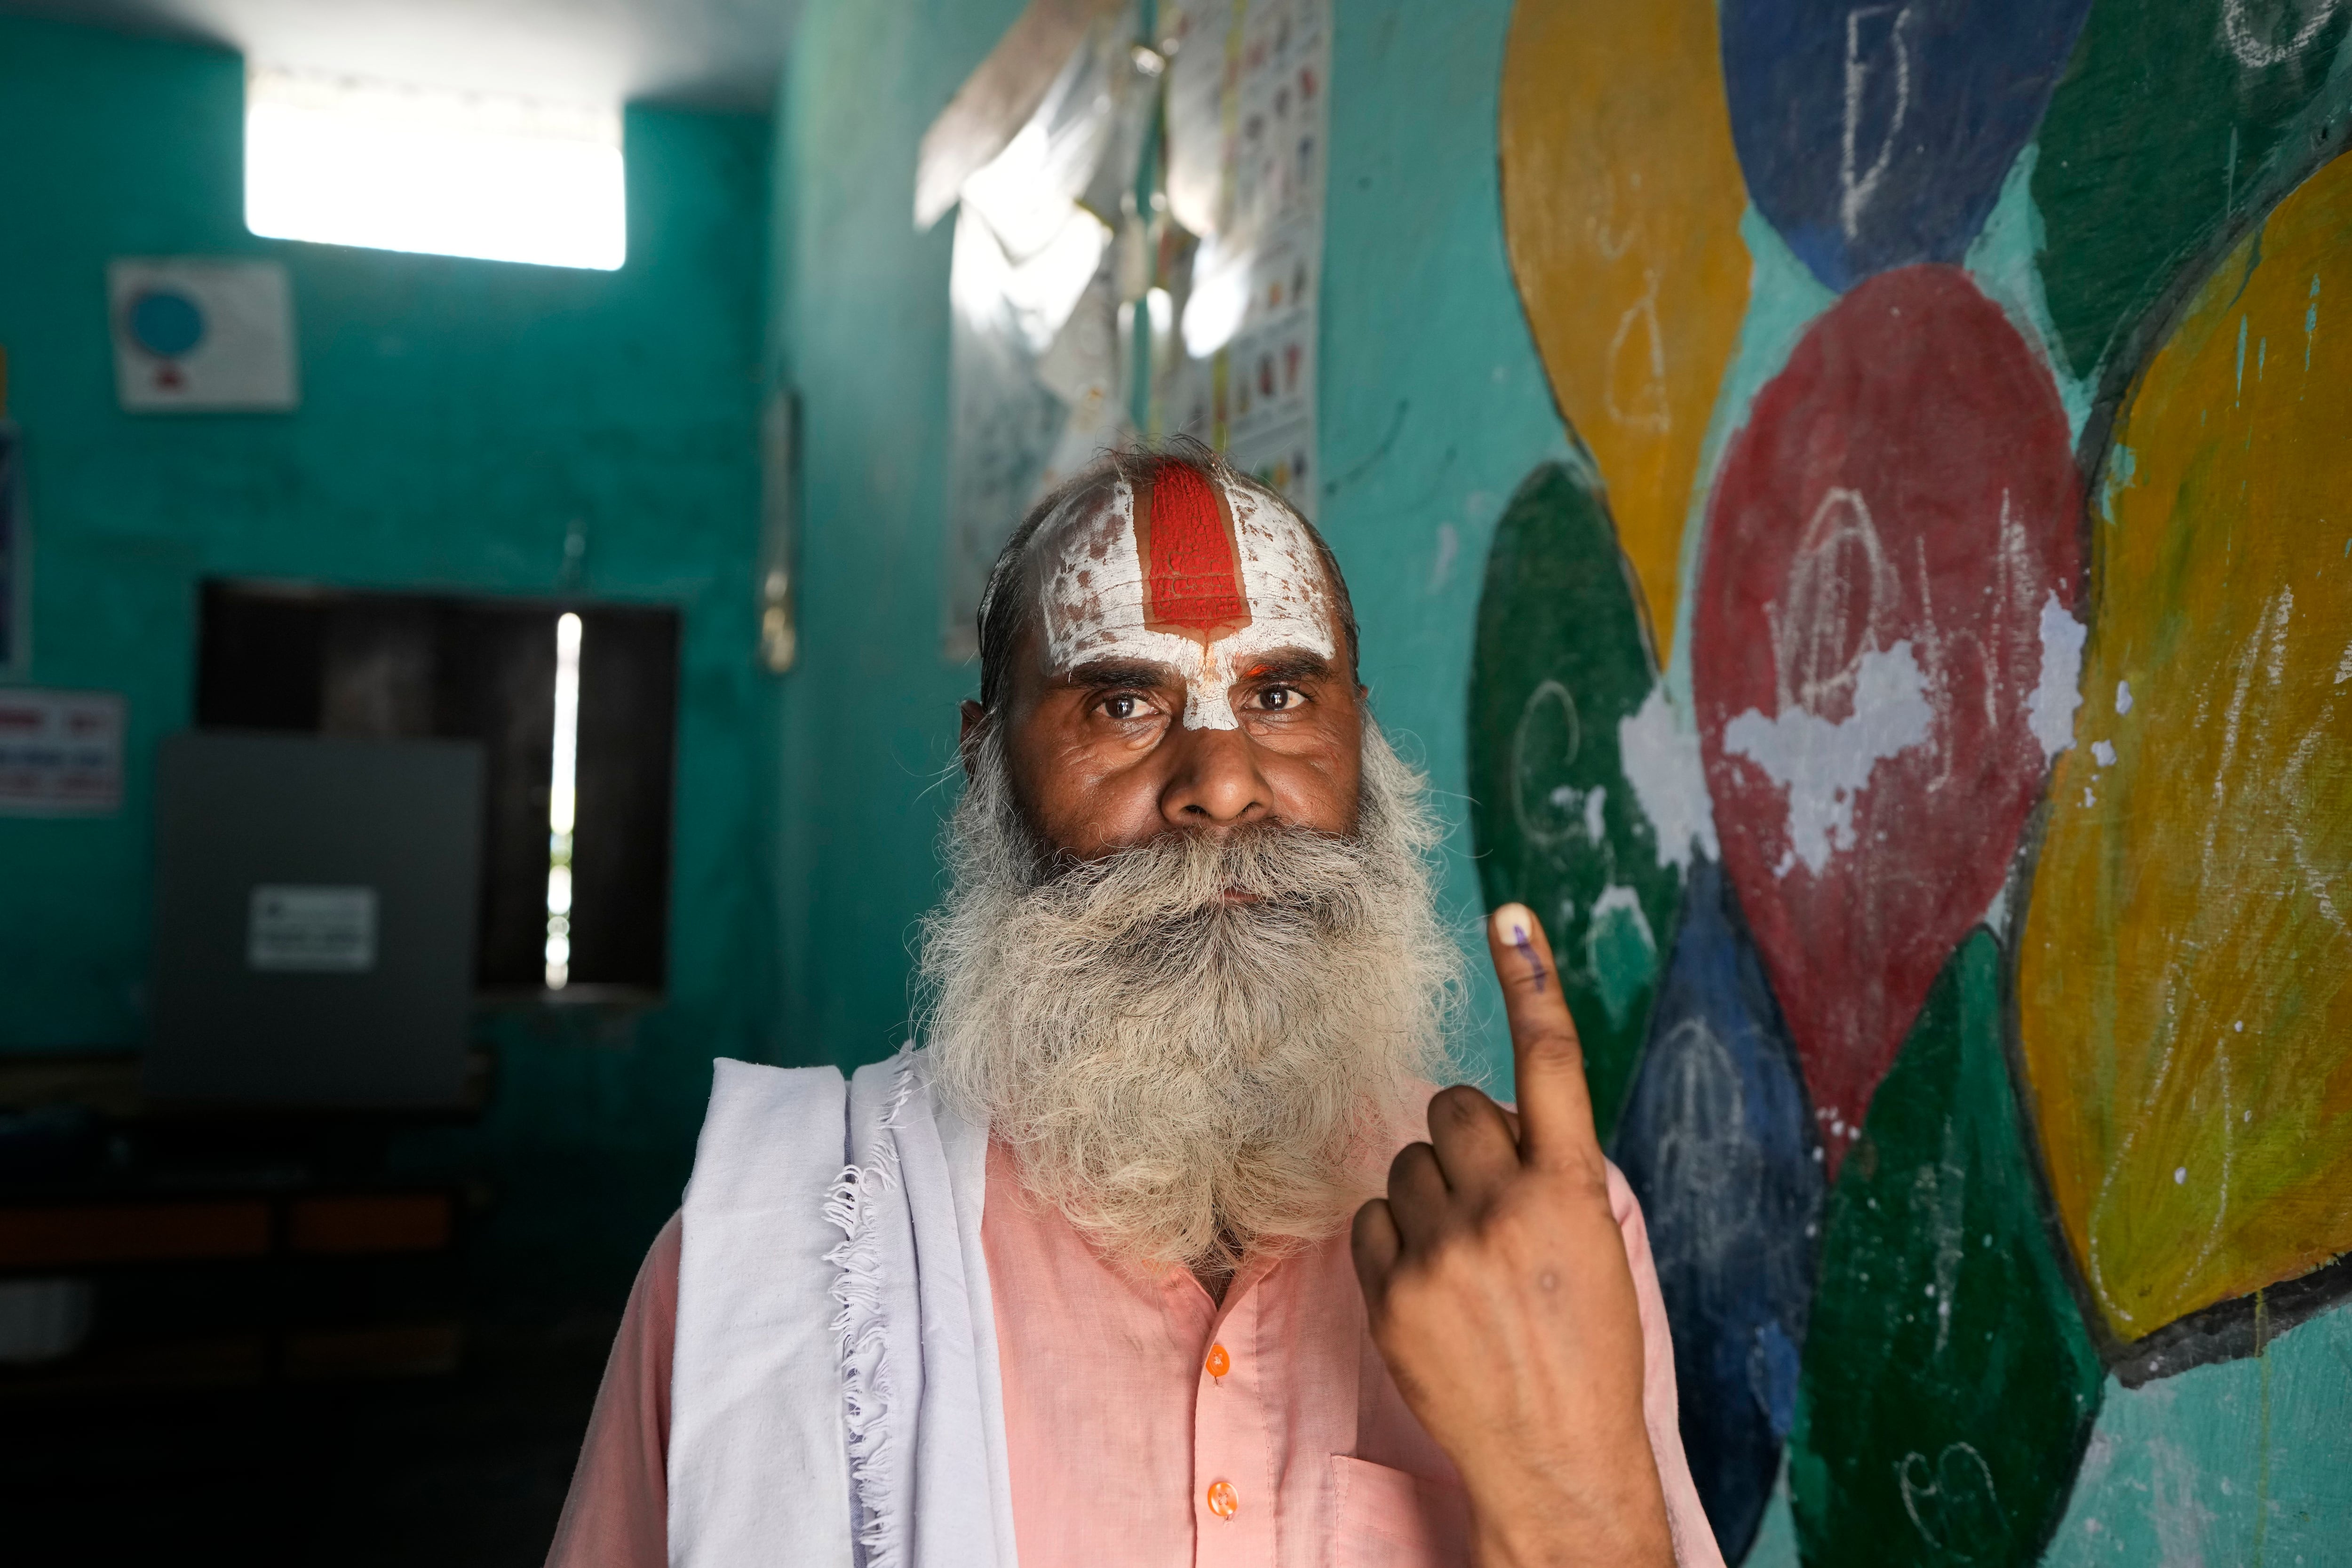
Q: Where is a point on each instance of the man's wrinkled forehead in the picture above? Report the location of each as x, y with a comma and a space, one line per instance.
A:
1184, 570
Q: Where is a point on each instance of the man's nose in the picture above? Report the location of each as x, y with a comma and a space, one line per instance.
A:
1215, 781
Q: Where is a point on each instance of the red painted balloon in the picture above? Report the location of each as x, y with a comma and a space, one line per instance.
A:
1888, 538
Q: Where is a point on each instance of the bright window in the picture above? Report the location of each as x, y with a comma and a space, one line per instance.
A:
397, 168
562, 800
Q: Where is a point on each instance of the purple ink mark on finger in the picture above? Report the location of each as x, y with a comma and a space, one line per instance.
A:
1527, 950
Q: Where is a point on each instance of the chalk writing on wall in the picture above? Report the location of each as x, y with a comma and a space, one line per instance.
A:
1989, 1087
1551, 715
1943, 1407
1621, 203
1876, 135
1716, 1140
2185, 992
2165, 132
1889, 585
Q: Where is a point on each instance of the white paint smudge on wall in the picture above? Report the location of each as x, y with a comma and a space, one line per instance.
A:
1621, 952
1661, 761
1825, 765
1996, 915
1613, 896
1449, 547
2051, 710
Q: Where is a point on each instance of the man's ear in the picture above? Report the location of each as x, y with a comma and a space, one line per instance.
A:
975, 723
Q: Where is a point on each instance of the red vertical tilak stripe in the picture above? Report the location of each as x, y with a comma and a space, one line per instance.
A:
1193, 578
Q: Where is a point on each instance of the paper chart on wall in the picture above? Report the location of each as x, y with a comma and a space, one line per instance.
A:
60, 753
1247, 129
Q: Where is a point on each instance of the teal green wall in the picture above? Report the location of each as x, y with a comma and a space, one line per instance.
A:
1434, 408
457, 418
861, 328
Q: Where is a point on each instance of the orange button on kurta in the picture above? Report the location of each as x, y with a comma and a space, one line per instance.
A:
1223, 1501
1219, 1362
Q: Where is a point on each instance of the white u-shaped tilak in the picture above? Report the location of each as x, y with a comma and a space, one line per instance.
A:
1094, 601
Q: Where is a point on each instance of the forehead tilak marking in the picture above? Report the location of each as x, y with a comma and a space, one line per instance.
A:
1192, 570
1097, 593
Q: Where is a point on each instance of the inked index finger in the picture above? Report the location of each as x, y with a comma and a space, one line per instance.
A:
1554, 1106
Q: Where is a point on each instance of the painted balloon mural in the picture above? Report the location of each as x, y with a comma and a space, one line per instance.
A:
2185, 977
1924, 716
1884, 656
1620, 206
1875, 136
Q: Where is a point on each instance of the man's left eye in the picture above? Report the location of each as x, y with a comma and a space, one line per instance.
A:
1277, 698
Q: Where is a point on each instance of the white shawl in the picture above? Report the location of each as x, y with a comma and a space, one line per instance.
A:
834, 1397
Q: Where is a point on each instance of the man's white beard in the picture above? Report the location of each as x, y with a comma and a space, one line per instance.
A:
1187, 1078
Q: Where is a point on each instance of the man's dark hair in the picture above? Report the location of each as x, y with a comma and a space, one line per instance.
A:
1006, 611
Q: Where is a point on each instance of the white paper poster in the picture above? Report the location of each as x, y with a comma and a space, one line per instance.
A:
60, 753
291, 929
1037, 375
1055, 259
1248, 128
202, 336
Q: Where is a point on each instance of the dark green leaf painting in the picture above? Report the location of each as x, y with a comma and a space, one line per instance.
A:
1949, 1385
1563, 658
2176, 119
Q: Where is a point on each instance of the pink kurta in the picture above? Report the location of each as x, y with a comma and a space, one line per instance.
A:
1127, 1450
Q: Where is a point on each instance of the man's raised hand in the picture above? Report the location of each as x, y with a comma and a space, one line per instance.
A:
1499, 1293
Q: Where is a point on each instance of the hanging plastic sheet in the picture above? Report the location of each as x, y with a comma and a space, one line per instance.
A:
1035, 370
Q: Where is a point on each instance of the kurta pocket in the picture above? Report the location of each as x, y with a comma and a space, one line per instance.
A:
1383, 1518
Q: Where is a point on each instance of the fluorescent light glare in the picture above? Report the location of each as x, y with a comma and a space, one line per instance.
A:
1219, 300
393, 168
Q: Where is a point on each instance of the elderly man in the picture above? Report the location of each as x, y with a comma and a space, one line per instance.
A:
1074, 1285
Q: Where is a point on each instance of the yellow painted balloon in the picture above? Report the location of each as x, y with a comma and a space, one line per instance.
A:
2185, 981
1622, 199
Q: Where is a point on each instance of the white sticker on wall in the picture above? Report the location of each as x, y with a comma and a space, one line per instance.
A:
309, 930
202, 336
60, 753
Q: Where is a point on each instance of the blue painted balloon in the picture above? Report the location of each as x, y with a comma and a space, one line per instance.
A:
1876, 135
1717, 1140
165, 323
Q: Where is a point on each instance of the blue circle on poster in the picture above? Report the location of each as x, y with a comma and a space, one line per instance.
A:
1873, 136
166, 323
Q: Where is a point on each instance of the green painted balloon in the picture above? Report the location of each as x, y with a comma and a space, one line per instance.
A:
1562, 658
2176, 121
1948, 1385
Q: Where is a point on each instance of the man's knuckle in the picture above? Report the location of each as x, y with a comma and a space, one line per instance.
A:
1511, 1223
1550, 1044
1459, 1255
1404, 1303
1461, 1105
